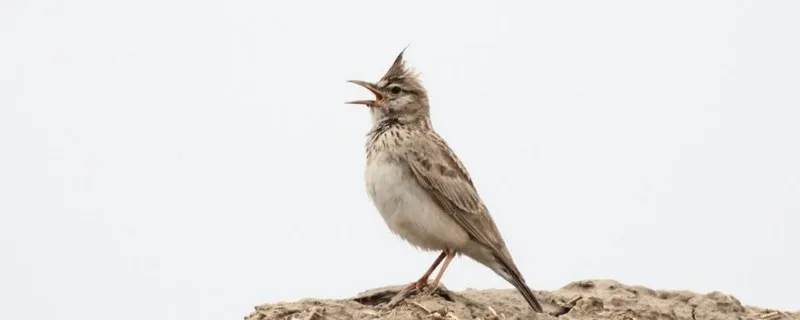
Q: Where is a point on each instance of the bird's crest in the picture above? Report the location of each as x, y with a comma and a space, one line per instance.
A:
398, 70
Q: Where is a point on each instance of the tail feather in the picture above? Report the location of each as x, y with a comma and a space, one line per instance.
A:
509, 272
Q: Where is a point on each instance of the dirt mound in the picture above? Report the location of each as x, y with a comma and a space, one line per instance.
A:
589, 299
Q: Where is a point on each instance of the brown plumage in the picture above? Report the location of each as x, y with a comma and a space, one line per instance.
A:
420, 187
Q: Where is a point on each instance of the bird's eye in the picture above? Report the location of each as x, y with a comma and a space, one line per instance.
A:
396, 90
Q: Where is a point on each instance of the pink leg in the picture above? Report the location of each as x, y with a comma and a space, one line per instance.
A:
423, 281
450, 255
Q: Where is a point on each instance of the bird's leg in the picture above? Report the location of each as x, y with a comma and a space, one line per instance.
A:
423, 281
419, 284
435, 284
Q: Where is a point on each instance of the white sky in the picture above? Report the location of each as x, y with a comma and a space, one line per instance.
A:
191, 159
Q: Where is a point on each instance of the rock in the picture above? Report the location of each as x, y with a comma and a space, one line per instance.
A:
588, 299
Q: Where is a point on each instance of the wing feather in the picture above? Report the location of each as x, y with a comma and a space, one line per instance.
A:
442, 174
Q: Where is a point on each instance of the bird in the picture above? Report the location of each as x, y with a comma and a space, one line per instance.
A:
421, 189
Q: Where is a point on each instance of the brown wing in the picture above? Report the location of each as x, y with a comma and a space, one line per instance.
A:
438, 170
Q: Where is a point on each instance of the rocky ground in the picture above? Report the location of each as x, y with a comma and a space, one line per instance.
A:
589, 299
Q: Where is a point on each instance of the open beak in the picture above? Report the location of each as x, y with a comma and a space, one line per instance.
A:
371, 88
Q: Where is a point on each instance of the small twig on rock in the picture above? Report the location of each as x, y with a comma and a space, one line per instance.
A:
771, 315
574, 300
399, 297
565, 307
494, 313
416, 304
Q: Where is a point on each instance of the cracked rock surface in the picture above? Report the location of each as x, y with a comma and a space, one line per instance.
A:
588, 299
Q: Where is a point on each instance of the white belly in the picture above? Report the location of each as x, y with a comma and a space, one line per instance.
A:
408, 210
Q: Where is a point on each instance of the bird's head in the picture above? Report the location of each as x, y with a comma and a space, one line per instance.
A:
399, 94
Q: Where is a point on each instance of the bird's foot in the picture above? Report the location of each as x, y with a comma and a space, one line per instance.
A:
400, 296
427, 290
420, 286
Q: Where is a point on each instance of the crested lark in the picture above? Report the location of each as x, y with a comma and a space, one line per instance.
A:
420, 187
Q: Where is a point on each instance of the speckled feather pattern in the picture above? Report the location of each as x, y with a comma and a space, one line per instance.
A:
420, 187
421, 156
426, 196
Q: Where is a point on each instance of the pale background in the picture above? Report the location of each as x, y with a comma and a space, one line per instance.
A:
191, 159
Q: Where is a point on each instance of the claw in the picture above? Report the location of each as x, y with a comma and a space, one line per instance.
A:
421, 284
429, 291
